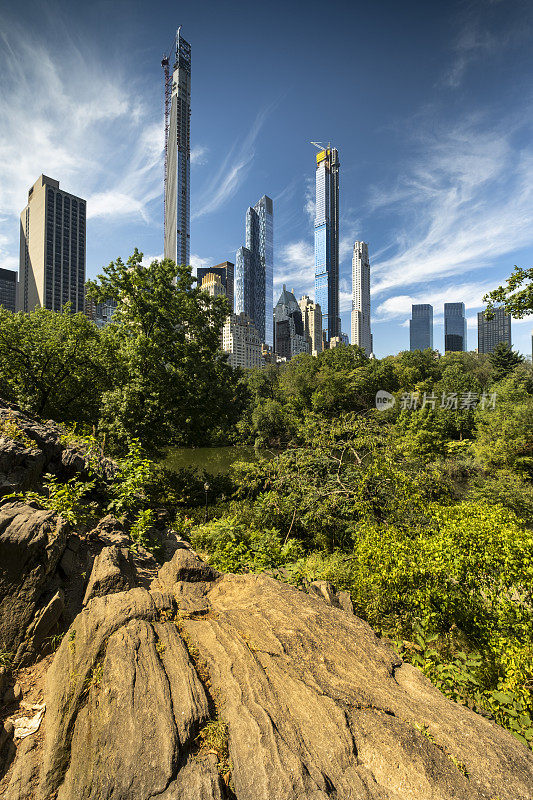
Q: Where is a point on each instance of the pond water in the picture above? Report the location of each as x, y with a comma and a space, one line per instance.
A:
216, 460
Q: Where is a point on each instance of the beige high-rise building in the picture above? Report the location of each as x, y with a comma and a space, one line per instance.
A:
241, 339
361, 333
52, 248
212, 284
312, 320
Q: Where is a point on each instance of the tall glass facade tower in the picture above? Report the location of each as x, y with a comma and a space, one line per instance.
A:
177, 194
254, 269
327, 240
421, 327
454, 327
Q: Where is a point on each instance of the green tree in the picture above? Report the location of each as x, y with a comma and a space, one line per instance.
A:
516, 295
172, 382
503, 360
56, 364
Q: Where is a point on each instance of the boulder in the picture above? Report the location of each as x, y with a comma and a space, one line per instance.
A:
332, 596
113, 571
31, 544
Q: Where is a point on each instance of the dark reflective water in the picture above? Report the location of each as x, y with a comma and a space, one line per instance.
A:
216, 460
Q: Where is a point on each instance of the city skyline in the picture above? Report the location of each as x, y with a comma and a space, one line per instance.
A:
447, 207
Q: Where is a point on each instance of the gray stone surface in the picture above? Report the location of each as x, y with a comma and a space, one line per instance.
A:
113, 571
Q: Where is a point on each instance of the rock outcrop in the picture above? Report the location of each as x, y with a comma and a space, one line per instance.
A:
22, 466
182, 683
149, 688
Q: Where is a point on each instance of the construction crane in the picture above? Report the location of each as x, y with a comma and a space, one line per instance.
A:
321, 146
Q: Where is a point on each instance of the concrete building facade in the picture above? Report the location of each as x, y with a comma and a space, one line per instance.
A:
490, 332
177, 179
225, 271
312, 322
361, 332
242, 342
289, 334
52, 248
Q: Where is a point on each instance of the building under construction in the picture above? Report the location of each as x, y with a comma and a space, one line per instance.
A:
177, 150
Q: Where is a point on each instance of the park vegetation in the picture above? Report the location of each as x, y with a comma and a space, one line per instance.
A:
422, 511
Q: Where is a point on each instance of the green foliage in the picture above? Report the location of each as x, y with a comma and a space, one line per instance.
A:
140, 532
504, 360
171, 382
55, 364
234, 547
516, 295
10, 430
68, 499
128, 490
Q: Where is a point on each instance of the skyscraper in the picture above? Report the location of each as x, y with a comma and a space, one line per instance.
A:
52, 248
361, 334
454, 327
225, 271
312, 322
212, 284
421, 327
254, 278
289, 334
8, 289
178, 145
490, 332
327, 239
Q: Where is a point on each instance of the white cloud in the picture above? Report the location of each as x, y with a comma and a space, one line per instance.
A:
471, 45
470, 294
199, 155
295, 266
466, 201
232, 172
197, 261
74, 115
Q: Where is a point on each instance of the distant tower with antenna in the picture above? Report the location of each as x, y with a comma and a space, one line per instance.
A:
177, 150
327, 238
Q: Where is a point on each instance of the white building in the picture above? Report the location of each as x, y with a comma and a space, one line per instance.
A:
361, 333
241, 340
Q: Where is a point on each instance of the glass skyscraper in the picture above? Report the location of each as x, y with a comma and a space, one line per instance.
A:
254, 269
327, 240
454, 327
421, 327
177, 194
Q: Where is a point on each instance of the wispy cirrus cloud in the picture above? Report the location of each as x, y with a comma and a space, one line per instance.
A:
466, 200
225, 182
70, 113
199, 155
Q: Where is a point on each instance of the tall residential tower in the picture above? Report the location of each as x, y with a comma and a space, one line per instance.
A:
361, 334
454, 327
177, 152
254, 269
490, 332
52, 249
327, 239
421, 327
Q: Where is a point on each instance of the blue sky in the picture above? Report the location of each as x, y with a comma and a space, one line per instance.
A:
429, 104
